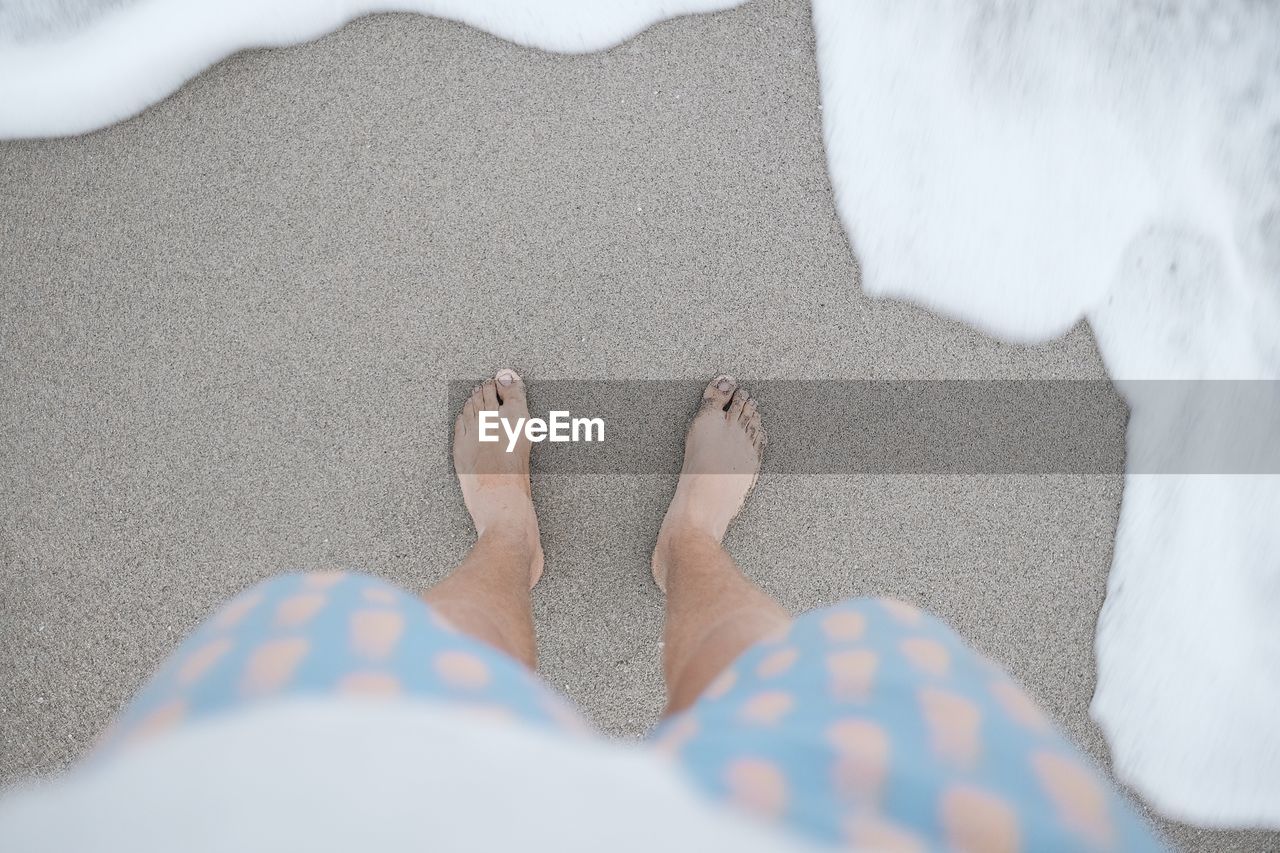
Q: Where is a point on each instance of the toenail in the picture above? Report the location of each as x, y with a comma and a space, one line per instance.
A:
725, 385
506, 377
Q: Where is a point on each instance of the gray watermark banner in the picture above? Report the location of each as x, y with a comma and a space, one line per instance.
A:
929, 426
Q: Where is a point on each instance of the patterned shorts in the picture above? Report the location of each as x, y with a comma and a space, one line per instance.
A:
868, 723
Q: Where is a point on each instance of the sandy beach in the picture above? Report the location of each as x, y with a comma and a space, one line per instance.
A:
228, 327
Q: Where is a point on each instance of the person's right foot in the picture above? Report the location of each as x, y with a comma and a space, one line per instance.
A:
721, 462
495, 483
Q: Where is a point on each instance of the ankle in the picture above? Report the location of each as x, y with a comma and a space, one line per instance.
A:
516, 536
680, 542
681, 532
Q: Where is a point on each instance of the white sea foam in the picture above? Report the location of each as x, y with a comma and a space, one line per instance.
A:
58, 84
1013, 164
1021, 165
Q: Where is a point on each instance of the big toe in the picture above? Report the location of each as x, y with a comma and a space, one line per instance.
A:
510, 388
719, 391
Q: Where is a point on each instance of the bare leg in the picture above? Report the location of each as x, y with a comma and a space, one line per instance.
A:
713, 612
487, 596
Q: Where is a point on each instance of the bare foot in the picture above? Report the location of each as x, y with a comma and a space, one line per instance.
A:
495, 483
721, 462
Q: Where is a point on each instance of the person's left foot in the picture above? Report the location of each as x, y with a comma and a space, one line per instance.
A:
495, 483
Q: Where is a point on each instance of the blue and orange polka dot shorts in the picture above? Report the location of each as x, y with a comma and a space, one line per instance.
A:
867, 724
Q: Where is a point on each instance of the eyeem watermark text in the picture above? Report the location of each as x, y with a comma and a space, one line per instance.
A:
558, 427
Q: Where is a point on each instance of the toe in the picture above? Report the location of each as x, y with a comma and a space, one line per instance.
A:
750, 413
489, 395
738, 403
468, 415
510, 387
719, 391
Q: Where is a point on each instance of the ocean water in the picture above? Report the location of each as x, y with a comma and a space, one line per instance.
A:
1016, 164
1020, 165
72, 66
